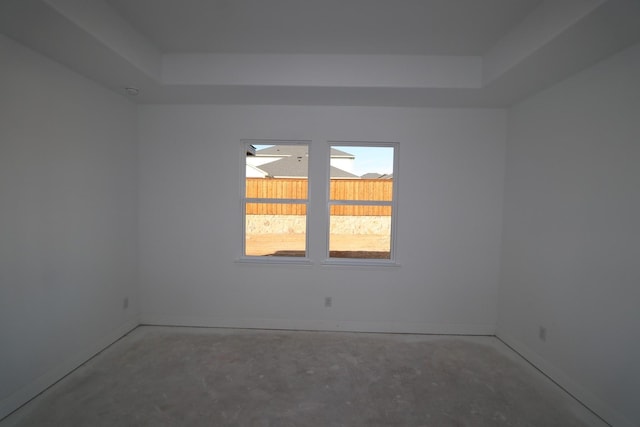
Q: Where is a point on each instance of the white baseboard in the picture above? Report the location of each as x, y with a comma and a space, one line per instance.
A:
320, 325
31, 390
595, 404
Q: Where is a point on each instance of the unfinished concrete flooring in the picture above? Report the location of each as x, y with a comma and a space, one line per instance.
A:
159, 376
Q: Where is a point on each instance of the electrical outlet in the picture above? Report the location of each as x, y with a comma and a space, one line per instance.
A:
542, 333
328, 301
125, 303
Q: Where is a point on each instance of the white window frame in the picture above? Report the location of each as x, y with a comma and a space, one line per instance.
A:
393, 203
244, 200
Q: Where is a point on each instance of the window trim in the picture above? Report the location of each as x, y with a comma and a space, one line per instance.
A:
244, 200
392, 261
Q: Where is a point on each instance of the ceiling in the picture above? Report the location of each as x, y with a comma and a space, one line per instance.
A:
407, 27
412, 53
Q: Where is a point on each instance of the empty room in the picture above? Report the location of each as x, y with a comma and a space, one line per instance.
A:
320, 213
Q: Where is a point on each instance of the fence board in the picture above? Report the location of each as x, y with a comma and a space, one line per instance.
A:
340, 189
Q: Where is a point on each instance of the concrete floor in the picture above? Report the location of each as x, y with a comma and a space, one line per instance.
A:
159, 376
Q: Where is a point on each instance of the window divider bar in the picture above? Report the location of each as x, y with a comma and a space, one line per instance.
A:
361, 202
277, 201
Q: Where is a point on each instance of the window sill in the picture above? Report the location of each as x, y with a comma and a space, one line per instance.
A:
350, 262
274, 260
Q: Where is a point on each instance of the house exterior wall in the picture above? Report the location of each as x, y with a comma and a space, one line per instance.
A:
342, 163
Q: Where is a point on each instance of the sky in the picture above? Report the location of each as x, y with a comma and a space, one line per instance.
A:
368, 159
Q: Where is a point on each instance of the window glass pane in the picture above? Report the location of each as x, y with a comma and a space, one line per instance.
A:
277, 171
275, 229
361, 173
363, 236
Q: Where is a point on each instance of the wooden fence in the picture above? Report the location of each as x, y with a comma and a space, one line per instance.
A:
339, 189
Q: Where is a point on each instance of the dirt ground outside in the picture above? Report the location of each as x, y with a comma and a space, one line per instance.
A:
367, 246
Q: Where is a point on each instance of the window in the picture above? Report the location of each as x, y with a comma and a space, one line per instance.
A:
360, 193
362, 201
275, 199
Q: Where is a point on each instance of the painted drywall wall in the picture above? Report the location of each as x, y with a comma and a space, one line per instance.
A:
448, 244
68, 212
570, 252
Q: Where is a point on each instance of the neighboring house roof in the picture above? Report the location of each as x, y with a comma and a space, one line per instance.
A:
288, 167
340, 153
335, 172
292, 161
298, 166
375, 175
283, 150
297, 150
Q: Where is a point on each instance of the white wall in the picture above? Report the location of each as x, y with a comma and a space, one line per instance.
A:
571, 257
67, 221
451, 172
